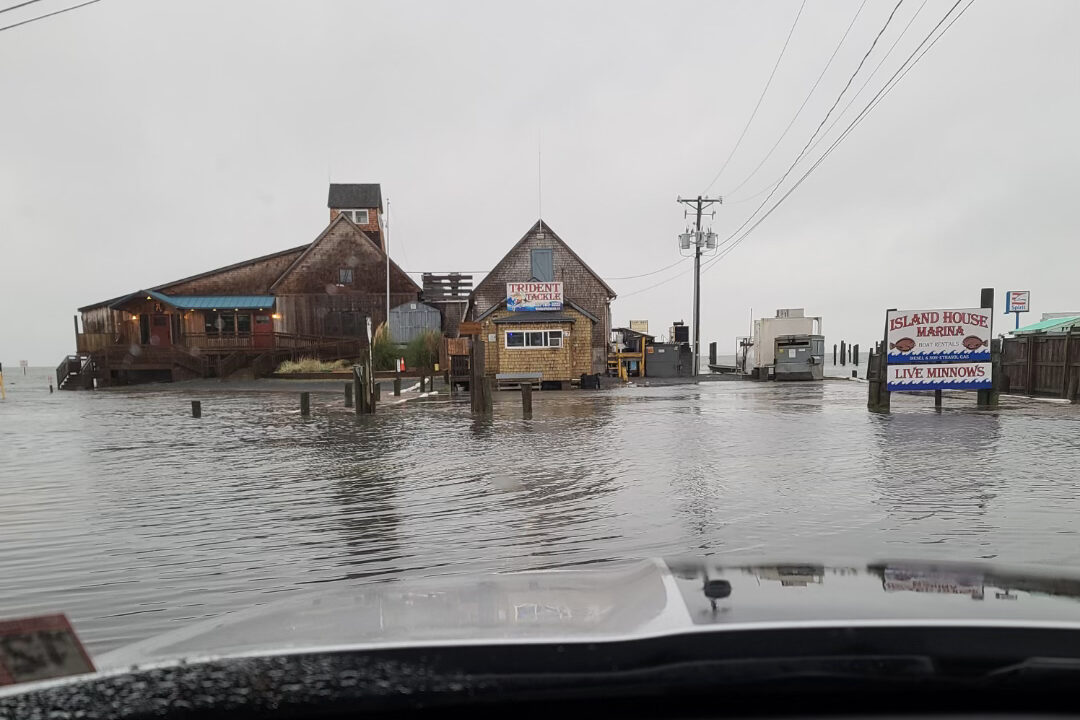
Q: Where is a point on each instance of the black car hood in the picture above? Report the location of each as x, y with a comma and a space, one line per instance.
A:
621, 601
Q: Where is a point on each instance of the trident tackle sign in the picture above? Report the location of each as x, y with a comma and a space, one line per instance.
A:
932, 336
528, 296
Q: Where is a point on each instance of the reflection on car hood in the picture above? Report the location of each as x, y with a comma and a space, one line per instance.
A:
622, 601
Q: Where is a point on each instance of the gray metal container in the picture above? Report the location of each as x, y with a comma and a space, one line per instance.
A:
412, 318
668, 360
799, 357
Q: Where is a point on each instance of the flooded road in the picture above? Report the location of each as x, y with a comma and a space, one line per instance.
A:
124, 512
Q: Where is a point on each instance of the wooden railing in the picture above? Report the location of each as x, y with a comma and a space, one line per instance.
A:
219, 342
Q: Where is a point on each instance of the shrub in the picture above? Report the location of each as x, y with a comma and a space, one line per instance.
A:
384, 353
423, 352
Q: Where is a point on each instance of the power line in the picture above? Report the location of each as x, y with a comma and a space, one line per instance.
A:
839, 115
16, 7
820, 125
804, 102
634, 277
891, 83
760, 98
870, 76
48, 15
657, 284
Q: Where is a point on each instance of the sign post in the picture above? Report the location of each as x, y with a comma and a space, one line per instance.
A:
1017, 301
23, 364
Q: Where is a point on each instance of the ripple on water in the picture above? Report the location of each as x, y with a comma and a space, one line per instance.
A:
124, 512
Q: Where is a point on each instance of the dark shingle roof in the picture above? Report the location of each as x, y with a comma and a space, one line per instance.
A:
350, 196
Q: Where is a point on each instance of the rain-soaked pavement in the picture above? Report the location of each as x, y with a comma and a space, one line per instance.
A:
121, 510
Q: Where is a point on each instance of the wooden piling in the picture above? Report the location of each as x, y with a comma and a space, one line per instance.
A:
397, 386
1074, 387
843, 352
855, 374
526, 400
479, 385
348, 395
986, 397
378, 391
196, 409
834, 354
855, 354
997, 374
305, 403
877, 372
937, 398
360, 389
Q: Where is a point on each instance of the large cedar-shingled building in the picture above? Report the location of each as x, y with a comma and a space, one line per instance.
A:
311, 299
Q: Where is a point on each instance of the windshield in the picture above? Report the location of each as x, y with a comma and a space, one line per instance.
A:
304, 297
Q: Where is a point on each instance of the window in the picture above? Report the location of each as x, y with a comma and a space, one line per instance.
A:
213, 323
228, 323
345, 276
360, 217
243, 323
534, 339
543, 264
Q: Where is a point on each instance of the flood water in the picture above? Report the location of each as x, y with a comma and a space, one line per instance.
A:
121, 510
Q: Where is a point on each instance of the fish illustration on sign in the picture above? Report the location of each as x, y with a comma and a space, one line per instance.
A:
971, 342
903, 345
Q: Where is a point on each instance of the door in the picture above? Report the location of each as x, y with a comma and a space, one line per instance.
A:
263, 335
160, 330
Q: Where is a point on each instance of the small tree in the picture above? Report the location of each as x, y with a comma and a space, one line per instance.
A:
423, 352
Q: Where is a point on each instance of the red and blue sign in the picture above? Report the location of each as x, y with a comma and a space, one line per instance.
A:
939, 349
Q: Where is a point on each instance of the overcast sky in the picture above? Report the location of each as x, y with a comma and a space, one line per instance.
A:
146, 140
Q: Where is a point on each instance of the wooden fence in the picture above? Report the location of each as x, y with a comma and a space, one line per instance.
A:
1042, 364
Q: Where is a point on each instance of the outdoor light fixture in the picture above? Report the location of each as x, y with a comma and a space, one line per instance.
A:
276, 316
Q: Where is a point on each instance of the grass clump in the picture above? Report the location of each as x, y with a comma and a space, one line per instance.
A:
312, 365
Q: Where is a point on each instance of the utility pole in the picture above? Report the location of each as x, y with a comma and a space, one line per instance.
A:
700, 240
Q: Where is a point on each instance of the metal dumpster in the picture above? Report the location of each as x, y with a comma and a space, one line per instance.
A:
799, 357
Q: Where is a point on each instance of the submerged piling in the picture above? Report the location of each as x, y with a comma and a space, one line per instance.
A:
348, 395
305, 403
196, 409
526, 400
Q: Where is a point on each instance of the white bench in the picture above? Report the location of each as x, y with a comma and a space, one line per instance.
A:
516, 380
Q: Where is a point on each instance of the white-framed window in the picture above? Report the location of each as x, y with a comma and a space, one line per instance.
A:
360, 217
518, 339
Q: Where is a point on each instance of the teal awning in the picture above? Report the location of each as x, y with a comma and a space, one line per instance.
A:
223, 302
1046, 325
202, 302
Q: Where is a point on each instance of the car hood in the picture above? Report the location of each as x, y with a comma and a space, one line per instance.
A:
631, 600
